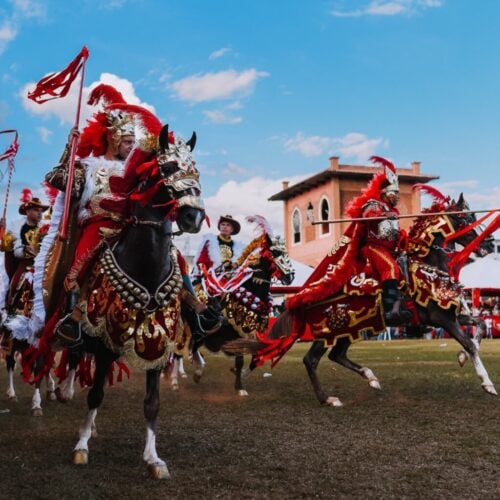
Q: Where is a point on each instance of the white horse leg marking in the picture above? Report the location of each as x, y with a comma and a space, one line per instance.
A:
372, 379
11, 393
182, 372
174, 370
81, 450
333, 401
36, 403
156, 465
486, 382
51, 388
199, 361
68, 386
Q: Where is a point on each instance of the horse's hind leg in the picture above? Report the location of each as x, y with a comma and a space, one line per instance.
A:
471, 347
311, 361
103, 360
478, 334
238, 382
339, 355
66, 389
156, 466
51, 387
175, 371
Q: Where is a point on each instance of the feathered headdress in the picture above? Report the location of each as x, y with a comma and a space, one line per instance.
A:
105, 125
440, 201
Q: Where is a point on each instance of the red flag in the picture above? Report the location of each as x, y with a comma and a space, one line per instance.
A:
58, 84
11, 151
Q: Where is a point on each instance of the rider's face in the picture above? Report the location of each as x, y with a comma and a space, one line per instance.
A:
126, 146
34, 215
392, 197
226, 229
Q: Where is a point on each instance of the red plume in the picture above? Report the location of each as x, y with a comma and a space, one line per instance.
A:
384, 162
50, 192
149, 121
107, 93
26, 195
440, 202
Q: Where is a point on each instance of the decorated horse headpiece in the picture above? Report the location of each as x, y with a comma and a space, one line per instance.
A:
106, 125
161, 159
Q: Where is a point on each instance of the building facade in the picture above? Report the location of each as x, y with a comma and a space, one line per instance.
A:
325, 196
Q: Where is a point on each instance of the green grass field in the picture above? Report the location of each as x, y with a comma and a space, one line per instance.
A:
430, 433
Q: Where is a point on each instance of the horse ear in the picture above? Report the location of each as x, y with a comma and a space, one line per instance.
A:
163, 139
461, 201
192, 142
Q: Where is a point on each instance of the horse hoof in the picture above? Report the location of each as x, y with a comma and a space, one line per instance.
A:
12, 397
59, 396
462, 358
51, 395
490, 389
80, 457
184, 375
375, 384
242, 392
158, 471
333, 401
175, 387
36, 412
197, 377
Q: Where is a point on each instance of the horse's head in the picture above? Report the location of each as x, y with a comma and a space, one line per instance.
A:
284, 271
161, 179
180, 180
466, 219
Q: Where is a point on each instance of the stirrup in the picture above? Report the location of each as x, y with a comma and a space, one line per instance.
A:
65, 339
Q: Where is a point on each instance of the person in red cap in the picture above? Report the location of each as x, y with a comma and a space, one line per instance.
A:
103, 147
220, 252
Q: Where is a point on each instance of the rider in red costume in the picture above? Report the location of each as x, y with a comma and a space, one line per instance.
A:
103, 147
366, 245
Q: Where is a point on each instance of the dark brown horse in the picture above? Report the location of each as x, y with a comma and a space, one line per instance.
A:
131, 307
437, 301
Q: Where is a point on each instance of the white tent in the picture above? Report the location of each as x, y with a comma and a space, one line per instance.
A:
482, 273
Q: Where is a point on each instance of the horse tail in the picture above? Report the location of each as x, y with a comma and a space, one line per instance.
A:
271, 345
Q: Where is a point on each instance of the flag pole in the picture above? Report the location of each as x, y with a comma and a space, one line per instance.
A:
10, 167
63, 234
408, 216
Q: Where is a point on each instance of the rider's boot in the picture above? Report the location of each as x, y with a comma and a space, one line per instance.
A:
394, 314
68, 331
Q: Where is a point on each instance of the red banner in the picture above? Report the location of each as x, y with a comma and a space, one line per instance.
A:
57, 85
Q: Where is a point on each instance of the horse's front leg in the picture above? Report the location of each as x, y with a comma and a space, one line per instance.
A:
66, 389
311, 361
103, 360
199, 362
238, 382
156, 466
11, 364
339, 355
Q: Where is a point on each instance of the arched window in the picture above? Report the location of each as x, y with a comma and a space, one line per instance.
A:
296, 225
324, 213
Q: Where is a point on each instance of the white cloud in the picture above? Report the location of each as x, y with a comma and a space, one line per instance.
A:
213, 86
29, 9
219, 117
388, 8
219, 53
241, 199
234, 169
65, 109
44, 134
7, 33
353, 144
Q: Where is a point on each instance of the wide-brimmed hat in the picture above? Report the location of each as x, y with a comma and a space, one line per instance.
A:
230, 220
28, 201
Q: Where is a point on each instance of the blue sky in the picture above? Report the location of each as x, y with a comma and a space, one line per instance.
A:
272, 88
